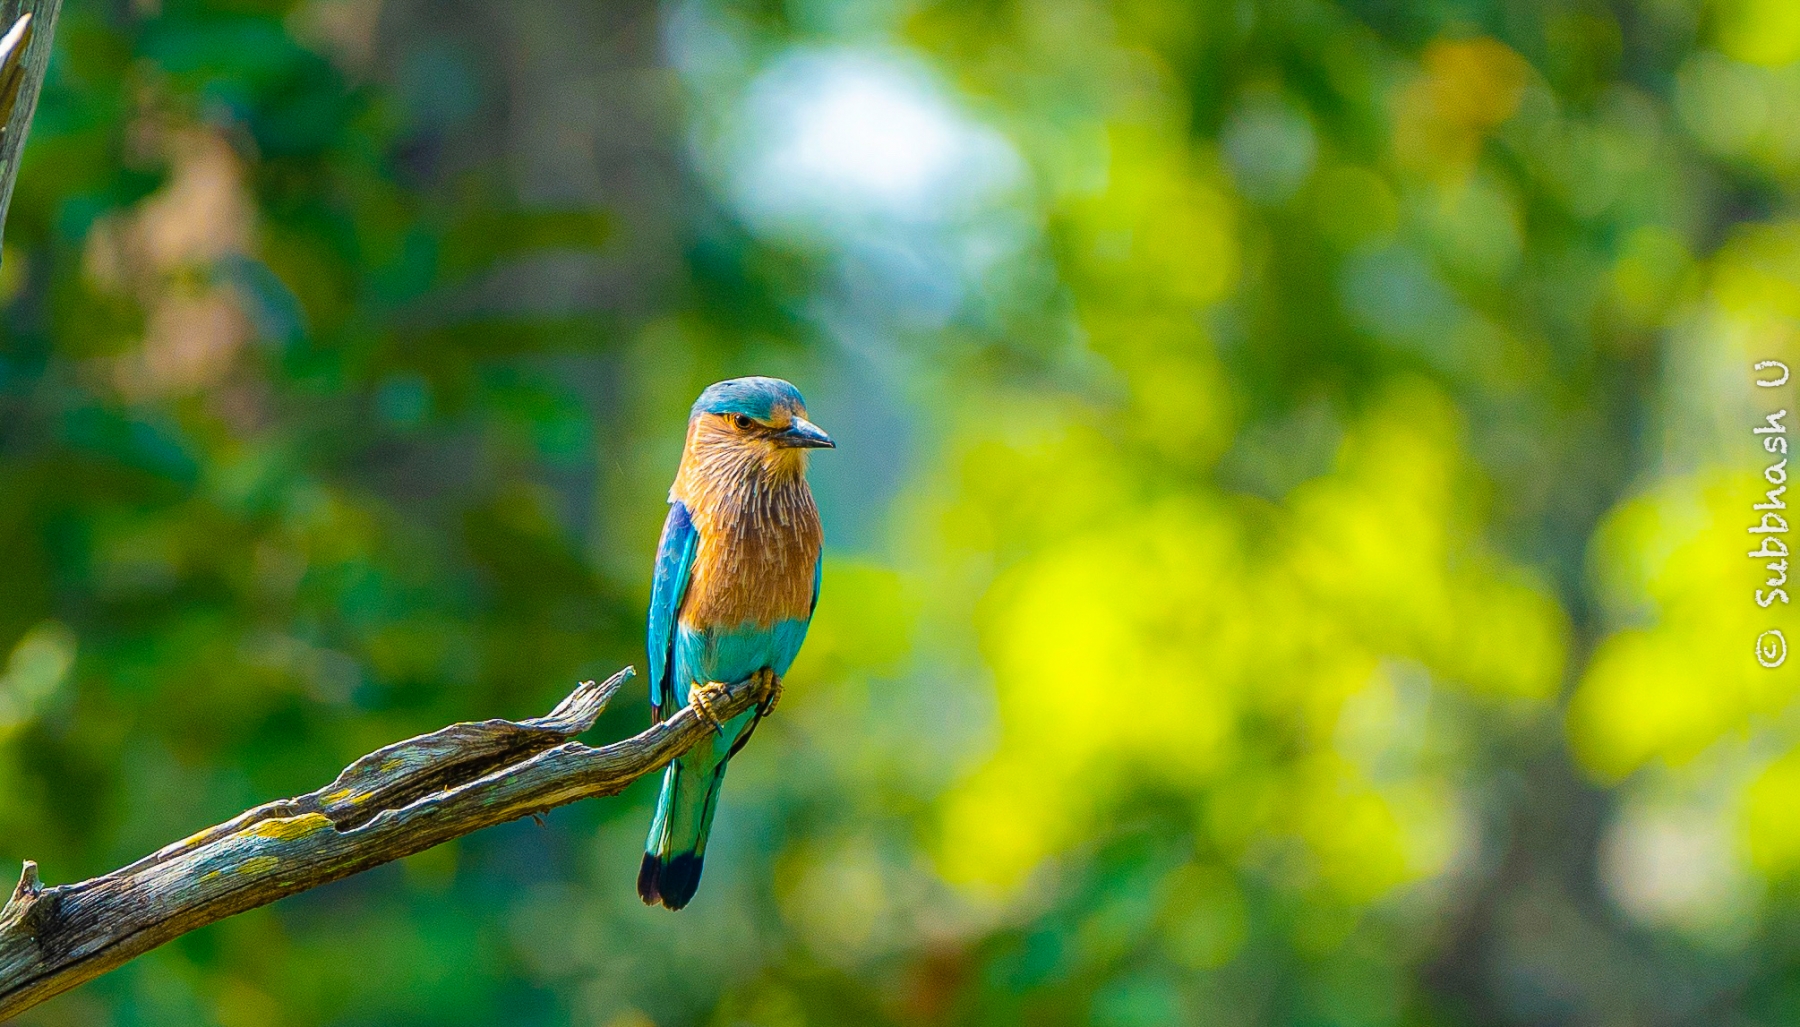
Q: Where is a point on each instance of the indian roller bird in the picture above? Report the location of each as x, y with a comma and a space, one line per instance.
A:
737, 578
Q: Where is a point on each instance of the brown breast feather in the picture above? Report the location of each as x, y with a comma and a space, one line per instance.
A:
759, 532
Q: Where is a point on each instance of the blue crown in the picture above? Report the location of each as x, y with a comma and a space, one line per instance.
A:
753, 397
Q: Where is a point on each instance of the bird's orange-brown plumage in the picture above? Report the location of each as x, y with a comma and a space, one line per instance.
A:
759, 532
736, 580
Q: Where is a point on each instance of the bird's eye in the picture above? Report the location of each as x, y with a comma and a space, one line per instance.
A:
742, 422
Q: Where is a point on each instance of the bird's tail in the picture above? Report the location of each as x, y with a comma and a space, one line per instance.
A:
670, 873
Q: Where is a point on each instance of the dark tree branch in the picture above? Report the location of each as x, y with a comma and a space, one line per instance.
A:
24, 56
394, 802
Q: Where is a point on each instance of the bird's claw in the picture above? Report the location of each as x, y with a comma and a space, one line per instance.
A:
769, 684
702, 697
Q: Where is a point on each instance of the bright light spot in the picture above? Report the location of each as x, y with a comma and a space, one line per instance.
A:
38, 666
872, 137
1677, 867
835, 141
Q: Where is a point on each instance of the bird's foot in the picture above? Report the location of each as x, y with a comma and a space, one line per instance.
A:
702, 697
769, 684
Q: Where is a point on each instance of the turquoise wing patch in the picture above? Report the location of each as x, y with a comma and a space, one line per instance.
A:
674, 563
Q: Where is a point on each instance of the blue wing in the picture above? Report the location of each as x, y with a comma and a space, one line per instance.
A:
674, 560
818, 576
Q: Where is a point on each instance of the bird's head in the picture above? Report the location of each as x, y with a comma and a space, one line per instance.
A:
761, 416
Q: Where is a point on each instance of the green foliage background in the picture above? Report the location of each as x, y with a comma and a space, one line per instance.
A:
1285, 556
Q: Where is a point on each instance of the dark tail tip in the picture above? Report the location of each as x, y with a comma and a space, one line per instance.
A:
671, 881
647, 874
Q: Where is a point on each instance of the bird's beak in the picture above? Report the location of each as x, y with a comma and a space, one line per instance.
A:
803, 434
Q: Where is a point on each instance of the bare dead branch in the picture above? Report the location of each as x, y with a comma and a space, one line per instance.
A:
396, 801
24, 56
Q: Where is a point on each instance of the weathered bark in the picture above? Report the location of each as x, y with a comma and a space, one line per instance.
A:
24, 56
396, 801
